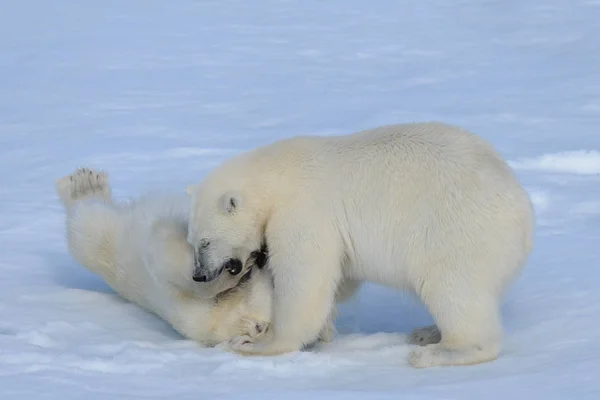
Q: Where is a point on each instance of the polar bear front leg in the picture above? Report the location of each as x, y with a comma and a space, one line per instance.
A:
306, 269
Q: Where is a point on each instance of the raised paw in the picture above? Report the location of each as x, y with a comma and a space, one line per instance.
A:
424, 336
87, 182
84, 183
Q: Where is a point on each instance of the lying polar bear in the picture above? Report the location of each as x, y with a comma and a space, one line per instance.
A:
140, 250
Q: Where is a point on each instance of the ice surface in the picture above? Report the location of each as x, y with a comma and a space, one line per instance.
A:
159, 92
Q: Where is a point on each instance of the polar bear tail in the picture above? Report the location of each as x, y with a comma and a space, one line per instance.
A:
92, 221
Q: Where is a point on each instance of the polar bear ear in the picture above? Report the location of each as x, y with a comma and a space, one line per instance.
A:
230, 202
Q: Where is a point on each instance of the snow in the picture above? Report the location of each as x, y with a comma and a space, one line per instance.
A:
584, 162
157, 93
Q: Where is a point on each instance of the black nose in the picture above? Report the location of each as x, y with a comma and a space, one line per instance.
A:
201, 275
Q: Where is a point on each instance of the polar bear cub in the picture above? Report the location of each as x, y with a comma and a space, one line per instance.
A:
425, 207
140, 250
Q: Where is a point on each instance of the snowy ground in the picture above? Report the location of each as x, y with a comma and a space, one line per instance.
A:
157, 93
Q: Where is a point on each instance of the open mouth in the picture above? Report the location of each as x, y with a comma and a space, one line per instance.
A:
233, 266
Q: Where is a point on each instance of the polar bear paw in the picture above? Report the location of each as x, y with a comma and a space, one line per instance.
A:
254, 328
265, 345
424, 357
259, 329
438, 355
424, 336
84, 183
238, 342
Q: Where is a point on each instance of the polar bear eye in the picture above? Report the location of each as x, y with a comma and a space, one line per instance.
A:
204, 243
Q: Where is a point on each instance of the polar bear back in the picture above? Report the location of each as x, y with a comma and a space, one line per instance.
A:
432, 190
405, 194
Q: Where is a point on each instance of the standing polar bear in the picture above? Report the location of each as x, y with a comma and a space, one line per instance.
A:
140, 250
425, 207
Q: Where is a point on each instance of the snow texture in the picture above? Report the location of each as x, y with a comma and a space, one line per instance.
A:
159, 92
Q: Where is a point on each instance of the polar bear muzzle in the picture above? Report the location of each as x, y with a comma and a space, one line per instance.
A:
200, 275
234, 266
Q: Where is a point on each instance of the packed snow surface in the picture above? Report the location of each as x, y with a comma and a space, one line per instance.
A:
157, 93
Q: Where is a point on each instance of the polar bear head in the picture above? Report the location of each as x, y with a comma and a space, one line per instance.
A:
225, 226
170, 261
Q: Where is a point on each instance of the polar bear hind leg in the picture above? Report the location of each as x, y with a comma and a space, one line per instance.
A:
468, 318
92, 221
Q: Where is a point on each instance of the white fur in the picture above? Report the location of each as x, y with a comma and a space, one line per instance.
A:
425, 207
140, 250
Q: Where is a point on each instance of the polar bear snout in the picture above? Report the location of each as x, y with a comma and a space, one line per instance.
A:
201, 272
234, 266
213, 257
199, 277
203, 275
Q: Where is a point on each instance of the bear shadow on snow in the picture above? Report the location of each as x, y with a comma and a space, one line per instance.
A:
69, 274
374, 308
